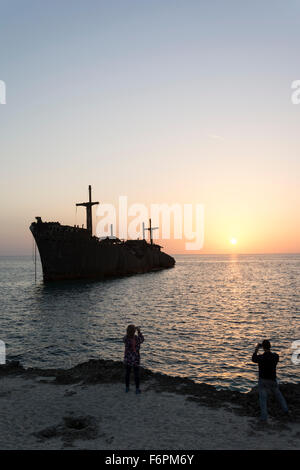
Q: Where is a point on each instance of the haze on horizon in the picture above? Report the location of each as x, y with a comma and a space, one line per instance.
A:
164, 102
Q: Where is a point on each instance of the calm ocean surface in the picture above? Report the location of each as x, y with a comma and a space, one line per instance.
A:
201, 319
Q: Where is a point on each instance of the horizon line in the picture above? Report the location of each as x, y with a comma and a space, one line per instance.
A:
193, 254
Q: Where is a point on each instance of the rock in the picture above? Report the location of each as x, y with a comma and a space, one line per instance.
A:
11, 367
72, 428
97, 371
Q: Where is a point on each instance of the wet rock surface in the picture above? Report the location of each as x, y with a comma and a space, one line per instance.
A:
106, 371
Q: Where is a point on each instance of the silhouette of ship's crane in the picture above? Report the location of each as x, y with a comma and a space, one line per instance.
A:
150, 229
89, 221
88, 206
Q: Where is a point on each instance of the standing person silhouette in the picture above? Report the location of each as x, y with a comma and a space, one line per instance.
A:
267, 381
132, 356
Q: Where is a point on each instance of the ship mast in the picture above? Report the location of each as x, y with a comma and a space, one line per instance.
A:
150, 229
88, 205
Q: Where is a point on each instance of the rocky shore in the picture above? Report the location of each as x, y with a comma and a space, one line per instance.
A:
106, 371
74, 402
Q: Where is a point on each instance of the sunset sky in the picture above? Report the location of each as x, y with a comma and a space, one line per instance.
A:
163, 101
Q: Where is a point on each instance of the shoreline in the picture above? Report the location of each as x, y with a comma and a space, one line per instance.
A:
100, 371
85, 407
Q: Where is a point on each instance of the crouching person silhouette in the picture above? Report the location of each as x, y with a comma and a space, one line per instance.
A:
132, 356
267, 381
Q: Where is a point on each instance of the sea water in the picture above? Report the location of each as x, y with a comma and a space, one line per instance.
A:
201, 319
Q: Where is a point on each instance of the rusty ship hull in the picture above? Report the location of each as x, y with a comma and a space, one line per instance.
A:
74, 253
68, 253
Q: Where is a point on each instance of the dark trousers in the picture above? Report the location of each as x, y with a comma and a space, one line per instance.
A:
136, 370
265, 386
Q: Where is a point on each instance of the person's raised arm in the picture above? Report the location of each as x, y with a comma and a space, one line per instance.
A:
140, 335
255, 356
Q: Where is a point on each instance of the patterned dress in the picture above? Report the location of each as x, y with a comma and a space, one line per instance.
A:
132, 349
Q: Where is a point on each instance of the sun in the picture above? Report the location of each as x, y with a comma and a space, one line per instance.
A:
233, 241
